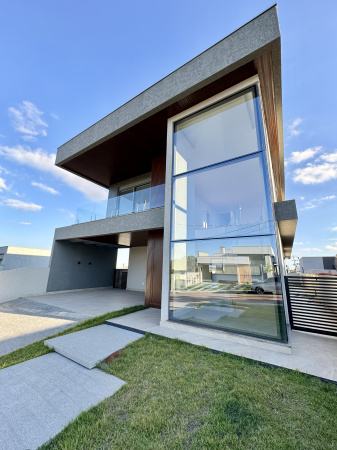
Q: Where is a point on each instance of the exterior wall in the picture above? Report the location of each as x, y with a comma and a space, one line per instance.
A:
22, 282
96, 268
17, 257
137, 269
18, 261
308, 263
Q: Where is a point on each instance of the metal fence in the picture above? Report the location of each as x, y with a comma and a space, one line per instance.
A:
312, 303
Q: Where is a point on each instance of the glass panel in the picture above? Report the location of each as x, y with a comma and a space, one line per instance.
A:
129, 201
221, 132
229, 284
125, 202
142, 198
226, 200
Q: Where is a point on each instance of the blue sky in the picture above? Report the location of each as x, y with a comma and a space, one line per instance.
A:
65, 65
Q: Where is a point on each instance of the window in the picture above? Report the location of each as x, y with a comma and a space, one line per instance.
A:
224, 263
133, 199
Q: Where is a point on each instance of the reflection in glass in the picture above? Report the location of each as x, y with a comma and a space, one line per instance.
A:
142, 198
221, 132
227, 200
229, 284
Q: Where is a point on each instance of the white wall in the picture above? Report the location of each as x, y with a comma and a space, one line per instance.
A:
137, 269
309, 263
21, 282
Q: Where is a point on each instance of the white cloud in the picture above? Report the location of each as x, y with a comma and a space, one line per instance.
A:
330, 157
27, 120
311, 250
298, 157
292, 128
334, 229
314, 174
331, 247
4, 170
41, 160
298, 243
302, 198
317, 201
24, 223
329, 197
18, 204
308, 207
3, 186
46, 188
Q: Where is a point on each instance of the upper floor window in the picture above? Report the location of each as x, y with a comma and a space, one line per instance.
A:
226, 130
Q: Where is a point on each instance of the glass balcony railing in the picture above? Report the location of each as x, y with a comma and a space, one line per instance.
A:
132, 202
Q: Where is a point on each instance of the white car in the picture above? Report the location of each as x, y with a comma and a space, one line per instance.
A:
272, 284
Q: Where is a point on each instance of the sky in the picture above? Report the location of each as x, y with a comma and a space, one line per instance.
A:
65, 65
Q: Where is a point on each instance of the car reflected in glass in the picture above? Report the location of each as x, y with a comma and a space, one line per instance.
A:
272, 284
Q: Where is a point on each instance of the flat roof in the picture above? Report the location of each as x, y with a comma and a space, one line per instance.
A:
174, 93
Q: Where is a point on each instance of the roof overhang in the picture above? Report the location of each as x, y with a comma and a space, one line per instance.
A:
286, 217
122, 144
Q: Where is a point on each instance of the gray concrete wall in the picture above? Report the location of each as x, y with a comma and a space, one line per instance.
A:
17, 261
147, 220
96, 268
137, 269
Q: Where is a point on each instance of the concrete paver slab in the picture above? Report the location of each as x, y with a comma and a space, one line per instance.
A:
89, 347
41, 396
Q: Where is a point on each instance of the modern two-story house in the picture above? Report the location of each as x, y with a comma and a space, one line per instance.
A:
195, 171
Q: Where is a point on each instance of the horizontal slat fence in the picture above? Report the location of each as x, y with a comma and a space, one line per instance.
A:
312, 303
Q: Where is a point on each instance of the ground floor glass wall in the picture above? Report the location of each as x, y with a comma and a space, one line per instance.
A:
229, 284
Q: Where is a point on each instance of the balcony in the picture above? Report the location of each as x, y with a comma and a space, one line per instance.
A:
132, 202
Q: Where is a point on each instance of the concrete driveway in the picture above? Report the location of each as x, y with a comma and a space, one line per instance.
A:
30, 319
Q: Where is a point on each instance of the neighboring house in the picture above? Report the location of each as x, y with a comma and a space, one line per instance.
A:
195, 171
19, 257
318, 264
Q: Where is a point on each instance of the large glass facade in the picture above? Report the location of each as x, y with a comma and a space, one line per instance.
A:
224, 263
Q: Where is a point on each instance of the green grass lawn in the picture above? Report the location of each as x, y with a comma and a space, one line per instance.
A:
38, 349
180, 396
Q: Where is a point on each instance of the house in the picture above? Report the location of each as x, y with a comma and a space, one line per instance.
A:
18, 257
318, 264
195, 171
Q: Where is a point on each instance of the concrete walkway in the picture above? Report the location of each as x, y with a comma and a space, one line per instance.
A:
93, 345
41, 396
92, 302
310, 353
31, 319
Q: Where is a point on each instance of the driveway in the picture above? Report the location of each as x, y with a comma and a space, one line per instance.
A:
31, 319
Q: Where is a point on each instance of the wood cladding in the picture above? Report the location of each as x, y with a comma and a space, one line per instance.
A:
130, 153
264, 68
158, 170
154, 269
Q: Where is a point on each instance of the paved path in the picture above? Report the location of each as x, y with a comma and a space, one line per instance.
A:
30, 319
24, 321
41, 396
89, 347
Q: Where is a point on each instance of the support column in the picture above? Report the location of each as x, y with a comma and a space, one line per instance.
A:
154, 269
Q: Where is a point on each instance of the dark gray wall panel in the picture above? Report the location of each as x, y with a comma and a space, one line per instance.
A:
66, 273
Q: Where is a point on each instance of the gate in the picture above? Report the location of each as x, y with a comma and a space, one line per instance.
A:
312, 303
